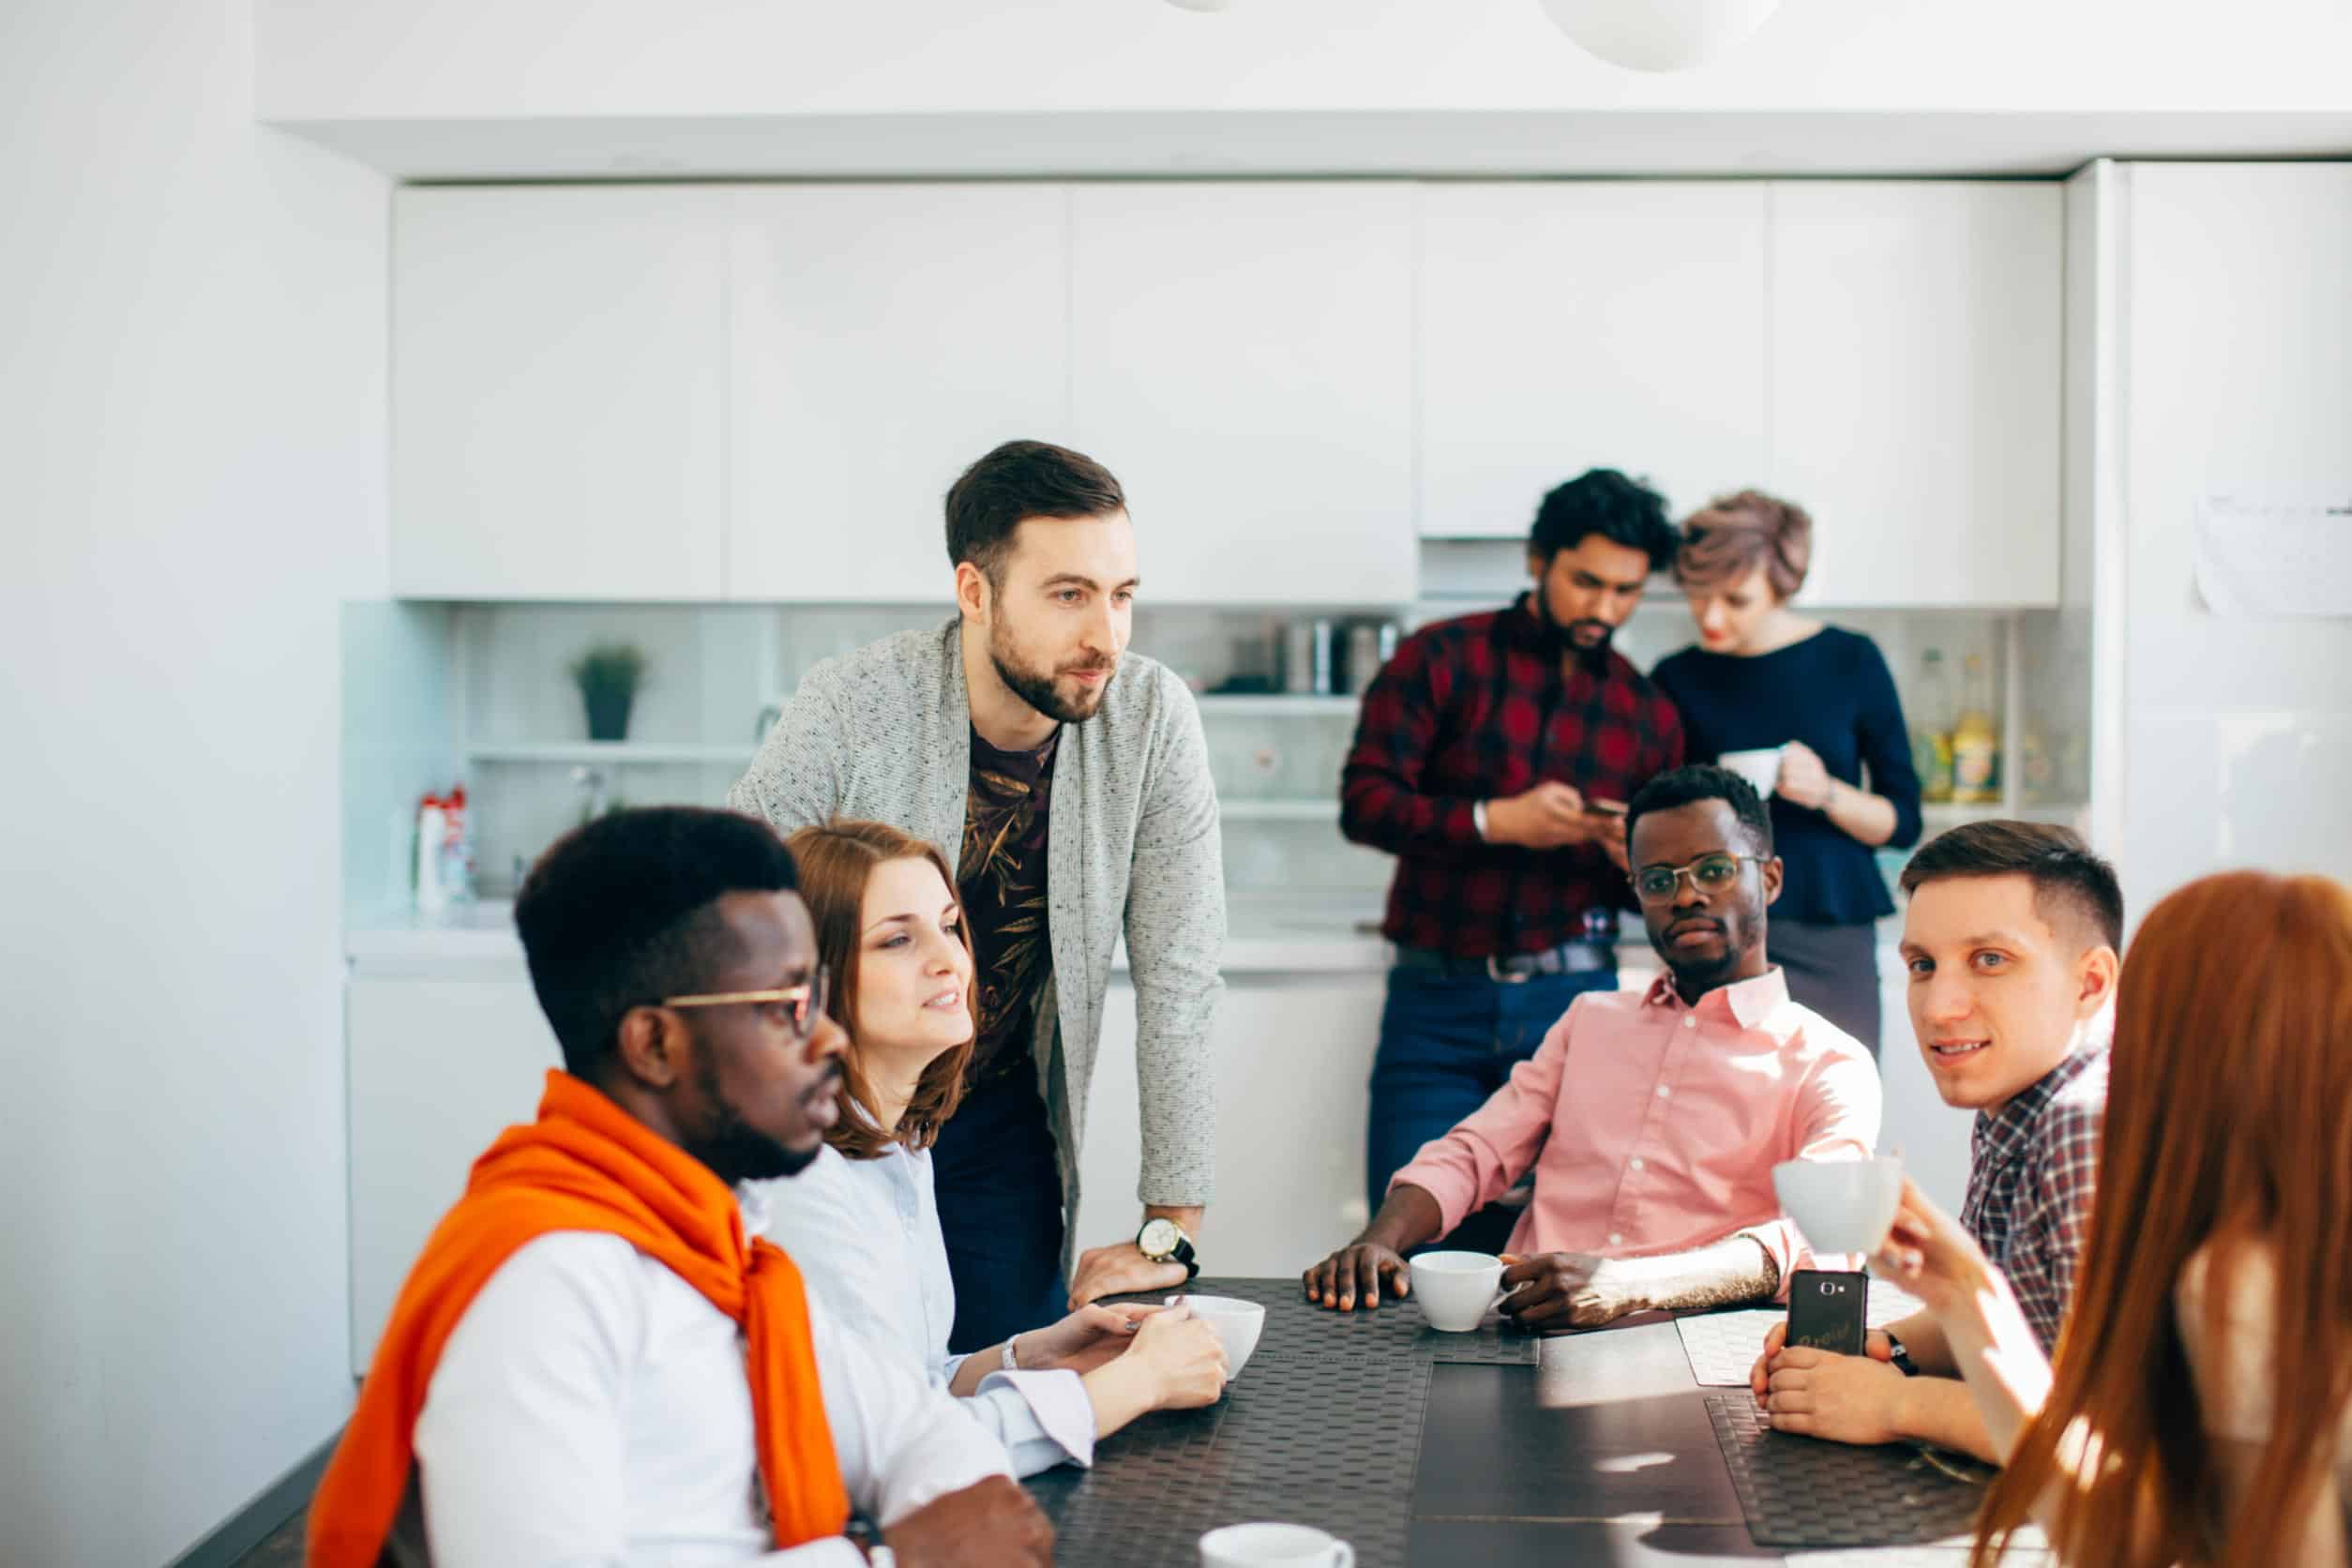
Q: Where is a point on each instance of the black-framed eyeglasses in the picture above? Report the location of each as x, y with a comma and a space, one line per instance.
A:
796, 1006
1708, 873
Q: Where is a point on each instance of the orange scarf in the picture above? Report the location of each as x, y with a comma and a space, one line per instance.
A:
587, 1164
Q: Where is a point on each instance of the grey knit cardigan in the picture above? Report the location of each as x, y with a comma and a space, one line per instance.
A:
885, 734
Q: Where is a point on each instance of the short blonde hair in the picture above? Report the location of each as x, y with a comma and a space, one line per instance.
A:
1733, 534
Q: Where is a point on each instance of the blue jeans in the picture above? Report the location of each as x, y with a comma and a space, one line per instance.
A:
999, 1208
1447, 1043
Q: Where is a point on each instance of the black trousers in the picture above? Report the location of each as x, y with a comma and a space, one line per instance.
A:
1832, 970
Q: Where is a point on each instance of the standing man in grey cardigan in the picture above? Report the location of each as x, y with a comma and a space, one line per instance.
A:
1068, 781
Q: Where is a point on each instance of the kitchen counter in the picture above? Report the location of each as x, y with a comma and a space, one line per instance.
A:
1264, 936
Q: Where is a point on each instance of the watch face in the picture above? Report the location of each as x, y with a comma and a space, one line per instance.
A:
1158, 1238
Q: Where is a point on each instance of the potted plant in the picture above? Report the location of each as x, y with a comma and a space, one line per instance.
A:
608, 677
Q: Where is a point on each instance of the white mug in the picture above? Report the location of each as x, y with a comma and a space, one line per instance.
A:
1238, 1324
1272, 1546
1760, 767
1456, 1289
1841, 1205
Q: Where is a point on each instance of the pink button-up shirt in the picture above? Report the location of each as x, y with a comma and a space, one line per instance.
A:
1653, 1126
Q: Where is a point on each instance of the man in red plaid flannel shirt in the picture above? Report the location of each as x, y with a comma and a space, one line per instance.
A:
2011, 937
1485, 751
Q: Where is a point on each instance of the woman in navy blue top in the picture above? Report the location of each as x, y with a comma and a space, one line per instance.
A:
1764, 676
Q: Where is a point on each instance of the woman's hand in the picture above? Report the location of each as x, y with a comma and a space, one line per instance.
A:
1929, 1255
1182, 1355
1087, 1338
1804, 779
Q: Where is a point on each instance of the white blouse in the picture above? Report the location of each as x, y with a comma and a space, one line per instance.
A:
866, 1236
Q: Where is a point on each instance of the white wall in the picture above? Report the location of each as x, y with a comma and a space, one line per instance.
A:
2236, 362
191, 386
460, 58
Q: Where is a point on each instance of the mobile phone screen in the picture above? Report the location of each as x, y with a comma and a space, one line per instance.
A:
1827, 1310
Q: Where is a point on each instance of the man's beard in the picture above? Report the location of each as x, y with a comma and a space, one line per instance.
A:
1036, 689
1563, 635
737, 1151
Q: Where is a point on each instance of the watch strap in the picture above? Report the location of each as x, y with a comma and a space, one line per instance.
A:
1899, 1358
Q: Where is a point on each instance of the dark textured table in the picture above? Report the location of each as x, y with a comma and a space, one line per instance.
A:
1492, 1448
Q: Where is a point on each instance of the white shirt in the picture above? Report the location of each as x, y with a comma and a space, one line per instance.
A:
866, 1236
591, 1411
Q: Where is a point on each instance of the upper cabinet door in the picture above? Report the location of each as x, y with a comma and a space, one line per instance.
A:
1243, 361
883, 337
1606, 325
1916, 359
558, 382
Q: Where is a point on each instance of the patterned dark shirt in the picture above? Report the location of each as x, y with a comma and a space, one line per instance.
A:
1000, 878
2033, 1169
1480, 708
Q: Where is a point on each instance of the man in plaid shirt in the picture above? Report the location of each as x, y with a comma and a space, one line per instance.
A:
1486, 754
2011, 937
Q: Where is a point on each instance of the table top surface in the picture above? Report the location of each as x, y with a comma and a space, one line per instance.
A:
1487, 1448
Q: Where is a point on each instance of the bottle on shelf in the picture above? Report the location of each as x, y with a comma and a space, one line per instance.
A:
433, 828
1976, 742
457, 849
1931, 728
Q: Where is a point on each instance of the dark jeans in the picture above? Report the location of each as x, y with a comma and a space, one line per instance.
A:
1447, 1043
1832, 970
1000, 1206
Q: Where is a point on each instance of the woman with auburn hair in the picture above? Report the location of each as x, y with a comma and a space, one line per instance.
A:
862, 1221
2201, 1408
1763, 677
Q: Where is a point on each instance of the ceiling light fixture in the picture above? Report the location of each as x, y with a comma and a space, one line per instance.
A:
1657, 35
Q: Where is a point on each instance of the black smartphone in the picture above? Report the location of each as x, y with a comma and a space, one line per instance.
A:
1827, 1310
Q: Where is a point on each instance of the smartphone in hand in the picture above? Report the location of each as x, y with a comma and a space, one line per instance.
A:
1827, 1310
1606, 808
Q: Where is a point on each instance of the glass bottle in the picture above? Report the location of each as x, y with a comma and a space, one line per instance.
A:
1976, 743
1931, 728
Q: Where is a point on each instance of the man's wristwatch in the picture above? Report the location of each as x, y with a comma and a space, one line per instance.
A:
1898, 1357
1163, 1241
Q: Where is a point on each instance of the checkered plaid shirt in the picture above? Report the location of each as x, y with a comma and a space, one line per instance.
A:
2033, 1170
1479, 708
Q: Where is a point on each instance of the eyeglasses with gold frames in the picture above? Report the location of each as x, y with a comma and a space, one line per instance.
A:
1708, 873
802, 1004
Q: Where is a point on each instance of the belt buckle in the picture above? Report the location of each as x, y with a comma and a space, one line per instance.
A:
1501, 976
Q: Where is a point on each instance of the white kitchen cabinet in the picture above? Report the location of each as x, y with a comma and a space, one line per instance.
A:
438, 1068
882, 338
1294, 1070
1242, 358
558, 382
1917, 357
1572, 325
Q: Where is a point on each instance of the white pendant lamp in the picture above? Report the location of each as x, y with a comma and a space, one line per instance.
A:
1658, 35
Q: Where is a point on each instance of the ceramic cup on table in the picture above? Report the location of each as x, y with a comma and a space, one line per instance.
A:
1761, 767
1841, 1205
1456, 1289
1238, 1324
1273, 1545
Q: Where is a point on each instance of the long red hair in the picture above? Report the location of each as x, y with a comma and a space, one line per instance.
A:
836, 862
2229, 1127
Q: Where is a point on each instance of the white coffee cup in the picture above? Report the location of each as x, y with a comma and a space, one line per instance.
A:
1456, 1289
1273, 1545
1841, 1205
1238, 1324
1761, 767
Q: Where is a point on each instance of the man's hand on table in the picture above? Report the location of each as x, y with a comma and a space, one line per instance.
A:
1356, 1273
1557, 1291
1122, 1269
1851, 1399
989, 1524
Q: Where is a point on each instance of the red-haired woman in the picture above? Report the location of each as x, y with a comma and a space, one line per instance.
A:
2201, 1408
1764, 678
862, 1221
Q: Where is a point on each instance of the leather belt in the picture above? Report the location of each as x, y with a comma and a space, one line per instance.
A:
1569, 958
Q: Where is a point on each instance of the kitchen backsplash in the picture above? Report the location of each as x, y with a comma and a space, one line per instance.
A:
500, 710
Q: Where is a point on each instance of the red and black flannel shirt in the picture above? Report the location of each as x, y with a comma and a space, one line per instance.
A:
1480, 708
2033, 1173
